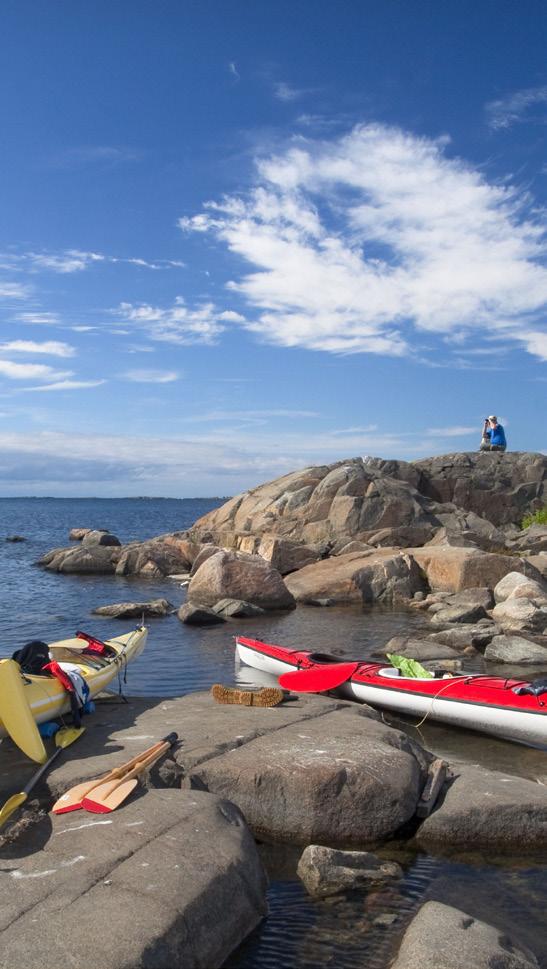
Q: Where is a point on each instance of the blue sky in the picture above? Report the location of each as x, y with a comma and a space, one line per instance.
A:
239, 238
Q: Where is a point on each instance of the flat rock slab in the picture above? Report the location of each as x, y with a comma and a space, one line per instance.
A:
118, 731
488, 809
171, 879
342, 779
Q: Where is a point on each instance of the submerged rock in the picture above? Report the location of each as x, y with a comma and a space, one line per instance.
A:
196, 614
128, 610
328, 871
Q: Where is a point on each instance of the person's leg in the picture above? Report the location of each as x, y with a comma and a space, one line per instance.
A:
485, 446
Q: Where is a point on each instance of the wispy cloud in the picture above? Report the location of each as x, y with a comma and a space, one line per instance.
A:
365, 242
218, 416
39, 318
88, 155
452, 431
71, 261
179, 323
232, 69
67, 385
77, 260
515, 108
286, 92
52, 348
9, 290
151, 376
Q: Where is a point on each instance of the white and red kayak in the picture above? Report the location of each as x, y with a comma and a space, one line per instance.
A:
473, 700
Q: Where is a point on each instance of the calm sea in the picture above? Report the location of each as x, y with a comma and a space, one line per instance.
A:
346, 932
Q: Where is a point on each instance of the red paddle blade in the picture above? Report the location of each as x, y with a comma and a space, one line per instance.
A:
319, 678
104, 800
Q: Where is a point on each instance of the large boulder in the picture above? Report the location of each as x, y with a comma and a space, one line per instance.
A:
287, 556
235, 575
521, 614
343, 779
316, 505
94, 560
442, 937
453, 569
128, 610
496, 486
156, 558
172, 879
516, 649
382, 575
515, 585
92, 538
531, 540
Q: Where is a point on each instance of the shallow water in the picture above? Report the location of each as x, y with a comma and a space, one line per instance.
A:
351, 930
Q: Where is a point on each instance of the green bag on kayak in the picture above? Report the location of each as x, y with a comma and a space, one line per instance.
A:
409, 667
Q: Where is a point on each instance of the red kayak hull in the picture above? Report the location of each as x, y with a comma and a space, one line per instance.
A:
476, 701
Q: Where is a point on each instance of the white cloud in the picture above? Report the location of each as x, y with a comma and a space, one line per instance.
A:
535, 342
178, 323
358, 243
515, 107
52, 348
234, 71
30, 371
151, 376
68, 385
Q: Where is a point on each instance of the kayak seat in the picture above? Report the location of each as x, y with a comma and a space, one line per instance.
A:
326, 658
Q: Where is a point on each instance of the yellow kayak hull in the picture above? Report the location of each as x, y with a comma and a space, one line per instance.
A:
27, 700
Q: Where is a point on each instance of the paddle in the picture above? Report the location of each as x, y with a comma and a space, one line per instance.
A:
319, 678
16, 714
72, 799
63, 738
107, 797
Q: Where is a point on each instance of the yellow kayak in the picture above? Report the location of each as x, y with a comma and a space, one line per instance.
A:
27, 700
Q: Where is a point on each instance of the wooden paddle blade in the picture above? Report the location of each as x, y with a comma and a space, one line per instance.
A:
72, 800
102, 802
318, 678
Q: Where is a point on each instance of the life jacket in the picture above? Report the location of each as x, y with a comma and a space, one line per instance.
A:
32, 657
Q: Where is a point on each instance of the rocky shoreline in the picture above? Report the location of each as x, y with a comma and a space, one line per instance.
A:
440, 537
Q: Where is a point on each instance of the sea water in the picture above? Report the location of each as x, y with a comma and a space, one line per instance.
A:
347, 931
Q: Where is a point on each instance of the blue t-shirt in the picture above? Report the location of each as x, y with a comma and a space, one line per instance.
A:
496, 435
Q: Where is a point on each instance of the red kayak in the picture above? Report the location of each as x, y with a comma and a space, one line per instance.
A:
513, 709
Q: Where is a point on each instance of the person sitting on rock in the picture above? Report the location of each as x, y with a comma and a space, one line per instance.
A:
493, 435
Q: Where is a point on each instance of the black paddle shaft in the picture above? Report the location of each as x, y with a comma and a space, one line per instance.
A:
41, 771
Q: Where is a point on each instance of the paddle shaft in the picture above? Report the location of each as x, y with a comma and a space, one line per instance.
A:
17, 799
